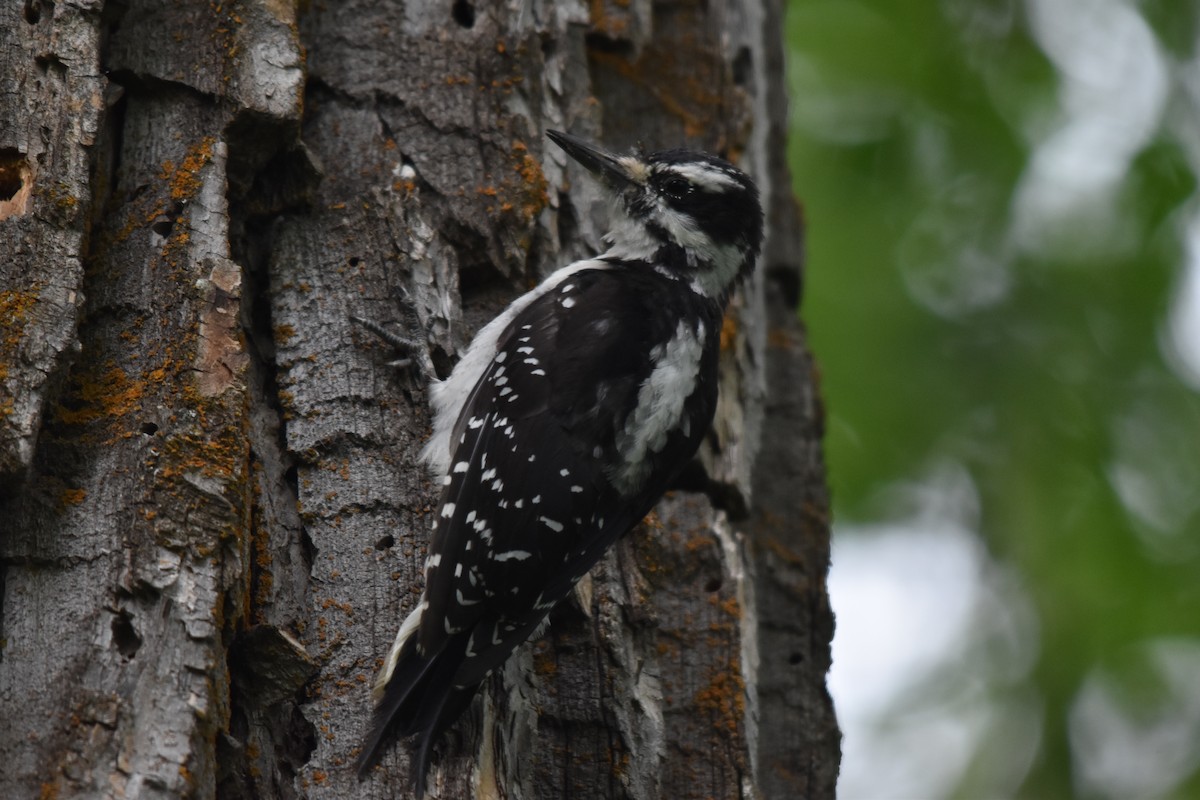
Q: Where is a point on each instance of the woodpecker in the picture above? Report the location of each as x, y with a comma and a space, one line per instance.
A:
562, 425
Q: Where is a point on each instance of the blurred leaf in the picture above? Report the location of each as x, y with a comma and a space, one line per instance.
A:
938, 338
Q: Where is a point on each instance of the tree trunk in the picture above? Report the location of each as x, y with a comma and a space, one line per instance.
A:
213, 516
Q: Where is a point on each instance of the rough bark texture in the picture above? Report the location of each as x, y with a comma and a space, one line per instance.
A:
212, 515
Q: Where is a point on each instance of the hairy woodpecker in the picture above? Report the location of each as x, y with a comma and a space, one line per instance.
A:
562, 425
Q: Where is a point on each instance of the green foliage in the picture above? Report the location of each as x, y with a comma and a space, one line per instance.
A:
941, 333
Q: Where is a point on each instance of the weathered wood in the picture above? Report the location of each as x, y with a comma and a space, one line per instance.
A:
51, 104
214, 517
126, 532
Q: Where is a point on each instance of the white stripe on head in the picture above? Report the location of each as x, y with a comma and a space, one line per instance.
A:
706, 177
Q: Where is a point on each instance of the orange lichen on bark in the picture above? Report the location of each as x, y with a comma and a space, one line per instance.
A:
544, 662
15, 308
619, 759
785, 553
725, 698
340, 605
184, 181
110, 395
522, 195
535, 194
220, 456
729, 331
612, 25
780, 338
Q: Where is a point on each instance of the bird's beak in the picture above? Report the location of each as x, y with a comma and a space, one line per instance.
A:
615, 172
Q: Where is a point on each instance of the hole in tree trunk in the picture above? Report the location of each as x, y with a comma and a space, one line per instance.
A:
16, 182
743, 66
464, 13
33, 11
125, 637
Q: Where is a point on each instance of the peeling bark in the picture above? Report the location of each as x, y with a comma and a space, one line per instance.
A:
213, 516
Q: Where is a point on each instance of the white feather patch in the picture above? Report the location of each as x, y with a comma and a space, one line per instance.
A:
660, 404
511, 555
411, 623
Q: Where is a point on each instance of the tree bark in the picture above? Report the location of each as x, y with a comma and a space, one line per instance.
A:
213, 516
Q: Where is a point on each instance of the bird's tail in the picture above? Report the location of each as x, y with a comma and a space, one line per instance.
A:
419, 698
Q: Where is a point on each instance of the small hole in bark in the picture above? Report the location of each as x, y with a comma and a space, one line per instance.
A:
742, 66
713, 585
13, 171
162, 227
124, 636
49, 61
795, 658
442, 363
16, 182
355, 261
385, 543
148, 428
464, 13
33, 13
602, 43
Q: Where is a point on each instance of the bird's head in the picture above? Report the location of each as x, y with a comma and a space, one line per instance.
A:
692, 215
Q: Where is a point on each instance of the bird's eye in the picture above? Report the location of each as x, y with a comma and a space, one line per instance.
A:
677, 188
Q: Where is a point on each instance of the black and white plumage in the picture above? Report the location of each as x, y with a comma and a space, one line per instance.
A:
563, 424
